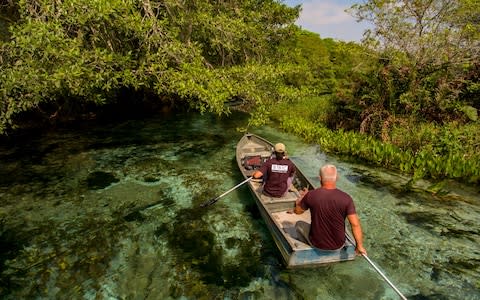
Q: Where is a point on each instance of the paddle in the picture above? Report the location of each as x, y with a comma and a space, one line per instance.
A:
381, 273
211, 201
384, 277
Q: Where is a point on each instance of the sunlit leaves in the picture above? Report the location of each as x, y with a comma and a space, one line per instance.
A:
436, 44
427, 151
203, 53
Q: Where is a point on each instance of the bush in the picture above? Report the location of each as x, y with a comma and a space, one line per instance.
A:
422, 150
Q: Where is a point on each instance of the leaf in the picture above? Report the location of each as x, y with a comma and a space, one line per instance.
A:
470, 112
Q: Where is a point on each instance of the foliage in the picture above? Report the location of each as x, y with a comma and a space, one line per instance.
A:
428, 61
89, 51
407, 98
311, 54
444, 152
430, 33
319, 110
402, 104
328, 67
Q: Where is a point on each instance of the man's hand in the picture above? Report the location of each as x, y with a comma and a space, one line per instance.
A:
257, 174
359, 250
301, 194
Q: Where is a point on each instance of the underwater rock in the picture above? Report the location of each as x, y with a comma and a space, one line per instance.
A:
428, 297
148, 169
99, 180
134, 216
149, 178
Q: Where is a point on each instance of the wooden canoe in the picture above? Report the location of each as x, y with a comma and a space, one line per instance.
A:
251, 152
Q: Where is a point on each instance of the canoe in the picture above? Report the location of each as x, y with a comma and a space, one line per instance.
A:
251, 152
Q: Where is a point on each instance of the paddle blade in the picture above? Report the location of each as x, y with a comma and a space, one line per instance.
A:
209, 202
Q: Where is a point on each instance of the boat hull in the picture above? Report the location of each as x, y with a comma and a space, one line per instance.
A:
251, 152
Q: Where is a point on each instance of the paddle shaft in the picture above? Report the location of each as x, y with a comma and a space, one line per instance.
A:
384, 277
381, 273
211, 201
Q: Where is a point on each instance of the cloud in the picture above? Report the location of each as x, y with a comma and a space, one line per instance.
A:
329, 19
314, 13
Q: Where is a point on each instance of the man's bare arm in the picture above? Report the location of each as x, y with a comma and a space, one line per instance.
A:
357, 233
257, 174
298, 208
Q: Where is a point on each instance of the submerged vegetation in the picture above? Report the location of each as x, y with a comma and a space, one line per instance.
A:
406, 98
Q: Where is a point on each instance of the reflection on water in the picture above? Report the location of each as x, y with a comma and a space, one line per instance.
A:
112, 212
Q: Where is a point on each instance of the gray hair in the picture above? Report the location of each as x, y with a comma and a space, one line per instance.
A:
328, 173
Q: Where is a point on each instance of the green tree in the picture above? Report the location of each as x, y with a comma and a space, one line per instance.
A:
432, 46
64, 56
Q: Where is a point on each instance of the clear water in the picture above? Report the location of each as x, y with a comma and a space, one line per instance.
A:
112, 212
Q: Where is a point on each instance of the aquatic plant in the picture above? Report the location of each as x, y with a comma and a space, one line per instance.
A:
192, 235
428, 162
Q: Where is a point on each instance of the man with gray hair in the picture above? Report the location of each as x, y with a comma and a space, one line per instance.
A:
329, 207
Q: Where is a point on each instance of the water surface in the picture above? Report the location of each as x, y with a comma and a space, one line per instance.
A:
112, 212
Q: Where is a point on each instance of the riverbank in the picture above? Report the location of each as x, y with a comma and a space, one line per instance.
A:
443, 154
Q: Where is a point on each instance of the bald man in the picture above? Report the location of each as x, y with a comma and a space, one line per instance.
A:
329, 207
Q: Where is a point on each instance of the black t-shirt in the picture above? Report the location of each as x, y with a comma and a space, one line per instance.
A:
276, 173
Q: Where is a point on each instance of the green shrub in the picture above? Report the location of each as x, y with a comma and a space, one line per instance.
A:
426, 151
316, 109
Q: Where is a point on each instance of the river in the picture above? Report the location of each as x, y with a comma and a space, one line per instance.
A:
111, 211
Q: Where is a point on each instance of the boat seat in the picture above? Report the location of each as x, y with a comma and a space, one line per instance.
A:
256, 147
279, 204
263, 154
287, 223
289, 197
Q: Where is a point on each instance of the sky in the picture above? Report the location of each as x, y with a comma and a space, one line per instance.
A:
329, 19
